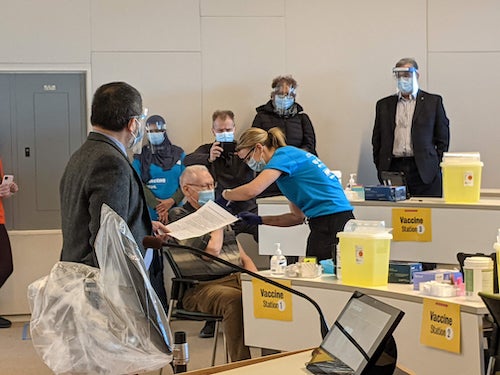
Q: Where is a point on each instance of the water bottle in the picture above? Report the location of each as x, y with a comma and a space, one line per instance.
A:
278, 262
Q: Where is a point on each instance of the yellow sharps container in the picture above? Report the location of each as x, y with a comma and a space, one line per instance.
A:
461, 177
364, 248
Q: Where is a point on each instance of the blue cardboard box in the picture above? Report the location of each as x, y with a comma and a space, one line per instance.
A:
385, 193
402, 272
437, 275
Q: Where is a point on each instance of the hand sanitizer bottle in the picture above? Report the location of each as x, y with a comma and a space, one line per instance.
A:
278, 262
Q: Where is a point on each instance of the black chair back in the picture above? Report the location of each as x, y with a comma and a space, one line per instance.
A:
492, 302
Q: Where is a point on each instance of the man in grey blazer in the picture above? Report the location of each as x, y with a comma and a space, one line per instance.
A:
411, 133
100, 172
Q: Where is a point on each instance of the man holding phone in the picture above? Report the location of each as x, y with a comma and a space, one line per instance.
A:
228, 171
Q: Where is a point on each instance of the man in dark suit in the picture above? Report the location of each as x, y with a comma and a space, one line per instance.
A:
411, 133
100, 172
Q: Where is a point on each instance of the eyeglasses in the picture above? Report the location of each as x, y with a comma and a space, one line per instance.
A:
245, 159
208, 186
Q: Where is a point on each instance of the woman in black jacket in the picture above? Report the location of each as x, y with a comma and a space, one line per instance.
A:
283, 112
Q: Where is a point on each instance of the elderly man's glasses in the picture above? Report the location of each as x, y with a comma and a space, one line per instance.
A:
208, 186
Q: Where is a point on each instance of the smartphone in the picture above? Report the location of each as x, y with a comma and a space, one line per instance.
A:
229, 147
7, 179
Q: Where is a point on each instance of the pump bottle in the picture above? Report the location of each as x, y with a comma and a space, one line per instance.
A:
278, 262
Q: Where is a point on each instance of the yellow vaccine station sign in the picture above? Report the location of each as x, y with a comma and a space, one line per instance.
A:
441, 325
271, 302
412, 224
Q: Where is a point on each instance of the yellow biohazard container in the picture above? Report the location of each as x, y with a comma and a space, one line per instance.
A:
461, 177
364, 255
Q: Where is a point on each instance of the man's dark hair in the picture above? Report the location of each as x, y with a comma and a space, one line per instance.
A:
114, 104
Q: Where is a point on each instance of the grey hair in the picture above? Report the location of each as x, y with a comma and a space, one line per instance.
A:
407, 60
191, 173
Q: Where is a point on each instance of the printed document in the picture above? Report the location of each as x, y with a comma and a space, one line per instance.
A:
208, 218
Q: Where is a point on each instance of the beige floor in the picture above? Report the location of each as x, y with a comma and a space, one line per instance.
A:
18, 357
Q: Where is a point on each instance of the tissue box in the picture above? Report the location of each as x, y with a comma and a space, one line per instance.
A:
437, 275
385, 193
402, 272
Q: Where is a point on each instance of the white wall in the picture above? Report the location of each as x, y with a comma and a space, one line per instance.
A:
191, 57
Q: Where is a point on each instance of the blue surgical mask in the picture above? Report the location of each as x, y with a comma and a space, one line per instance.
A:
257, 166
206, 195
283, 102
405, 85
156, 138
224, 137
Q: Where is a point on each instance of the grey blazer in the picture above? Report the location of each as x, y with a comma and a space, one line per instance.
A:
98, 172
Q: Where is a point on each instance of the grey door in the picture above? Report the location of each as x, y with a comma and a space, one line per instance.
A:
41, 125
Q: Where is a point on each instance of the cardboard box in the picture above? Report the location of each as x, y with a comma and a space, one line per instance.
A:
402, 272
385, 193
437, 275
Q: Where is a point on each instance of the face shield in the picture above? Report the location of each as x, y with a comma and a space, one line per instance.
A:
136, 142
156, 129
283, 98
407, 82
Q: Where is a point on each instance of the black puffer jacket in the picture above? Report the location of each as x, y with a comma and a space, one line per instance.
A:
298, 129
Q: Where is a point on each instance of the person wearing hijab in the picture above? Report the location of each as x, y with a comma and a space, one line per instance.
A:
160, 165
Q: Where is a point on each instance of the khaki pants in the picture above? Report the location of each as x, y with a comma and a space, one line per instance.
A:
222, 297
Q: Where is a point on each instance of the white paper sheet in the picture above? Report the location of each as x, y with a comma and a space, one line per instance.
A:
208, 218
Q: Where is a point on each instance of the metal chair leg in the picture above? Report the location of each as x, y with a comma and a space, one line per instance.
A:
216, 337
491, 366
224, 342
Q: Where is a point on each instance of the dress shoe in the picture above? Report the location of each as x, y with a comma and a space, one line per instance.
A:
4, 323
208, 330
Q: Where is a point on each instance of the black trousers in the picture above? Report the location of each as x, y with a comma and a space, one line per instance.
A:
6, 265
416, 186
322, 241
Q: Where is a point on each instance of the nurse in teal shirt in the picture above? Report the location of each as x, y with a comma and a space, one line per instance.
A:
315, 194
160, 165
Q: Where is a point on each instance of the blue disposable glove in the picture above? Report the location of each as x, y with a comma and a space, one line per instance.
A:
250, 218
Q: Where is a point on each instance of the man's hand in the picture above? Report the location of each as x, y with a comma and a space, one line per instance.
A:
160, 230
215, 152
162, 209
250, 218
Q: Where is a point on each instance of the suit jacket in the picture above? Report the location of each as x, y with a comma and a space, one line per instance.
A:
98, 172
430, 133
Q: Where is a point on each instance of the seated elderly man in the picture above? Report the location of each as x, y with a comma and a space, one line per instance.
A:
217, 294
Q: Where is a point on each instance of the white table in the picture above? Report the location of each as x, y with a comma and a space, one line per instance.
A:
304, 331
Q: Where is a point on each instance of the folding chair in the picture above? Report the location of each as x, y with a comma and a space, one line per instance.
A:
182, 264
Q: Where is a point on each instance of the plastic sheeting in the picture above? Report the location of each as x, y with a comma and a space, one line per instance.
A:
100, 321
